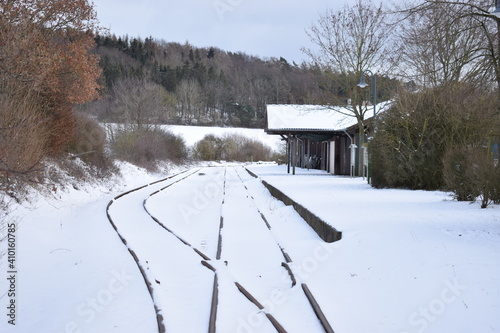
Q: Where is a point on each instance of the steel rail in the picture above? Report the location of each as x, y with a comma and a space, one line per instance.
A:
312, 301
213, 313
149, 285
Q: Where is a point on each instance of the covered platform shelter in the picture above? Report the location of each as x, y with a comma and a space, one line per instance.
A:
317, 137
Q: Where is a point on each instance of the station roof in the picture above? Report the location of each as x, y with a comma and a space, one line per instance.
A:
307, 118
282, 118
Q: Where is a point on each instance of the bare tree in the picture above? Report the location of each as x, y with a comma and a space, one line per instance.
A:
445, 42
190, 99
350, 41
170, 107
141, 103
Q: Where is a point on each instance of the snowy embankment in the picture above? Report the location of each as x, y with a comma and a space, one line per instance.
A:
72, 273
409, 261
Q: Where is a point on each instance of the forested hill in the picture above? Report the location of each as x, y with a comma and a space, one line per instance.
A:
182, 84
156, 81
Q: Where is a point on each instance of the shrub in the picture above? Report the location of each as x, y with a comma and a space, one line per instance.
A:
243, 149
495, 184
23, 138
89, 142
147, 147
233, 147
413, 136
407, 149
471, 174
210, 148
458, 173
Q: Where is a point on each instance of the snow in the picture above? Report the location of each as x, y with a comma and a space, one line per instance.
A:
193, 134
409, 261
313, 117
73, 275
308, 117
155, 247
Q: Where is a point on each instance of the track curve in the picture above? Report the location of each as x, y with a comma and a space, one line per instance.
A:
216, 218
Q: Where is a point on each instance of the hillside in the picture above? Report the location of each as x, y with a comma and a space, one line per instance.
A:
200, 86
206, 86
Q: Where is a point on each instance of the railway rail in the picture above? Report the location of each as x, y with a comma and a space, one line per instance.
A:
206, 226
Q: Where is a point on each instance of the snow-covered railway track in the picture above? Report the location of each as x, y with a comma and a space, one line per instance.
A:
147, 281
209, 219
288, 260
209, 192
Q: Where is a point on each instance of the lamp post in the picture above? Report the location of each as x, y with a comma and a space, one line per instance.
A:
362, 84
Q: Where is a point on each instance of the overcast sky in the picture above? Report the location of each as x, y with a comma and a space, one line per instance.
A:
264, 28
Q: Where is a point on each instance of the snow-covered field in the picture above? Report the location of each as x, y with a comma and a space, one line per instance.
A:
409, 261
193, 134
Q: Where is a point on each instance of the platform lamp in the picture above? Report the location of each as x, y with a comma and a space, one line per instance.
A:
362, 84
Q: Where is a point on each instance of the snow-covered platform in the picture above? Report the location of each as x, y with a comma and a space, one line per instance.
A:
408, 261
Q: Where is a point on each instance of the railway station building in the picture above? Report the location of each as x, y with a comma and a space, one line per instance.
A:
317, 137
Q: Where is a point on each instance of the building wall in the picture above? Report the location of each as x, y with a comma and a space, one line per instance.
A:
316, 155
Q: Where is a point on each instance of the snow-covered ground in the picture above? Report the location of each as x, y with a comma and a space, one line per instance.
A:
72, 275
409, 261
193, 134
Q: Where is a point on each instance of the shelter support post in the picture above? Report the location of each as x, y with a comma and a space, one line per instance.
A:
288, 151
332, 157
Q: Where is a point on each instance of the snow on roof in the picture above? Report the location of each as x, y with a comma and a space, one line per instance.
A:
282, 117
308, 117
